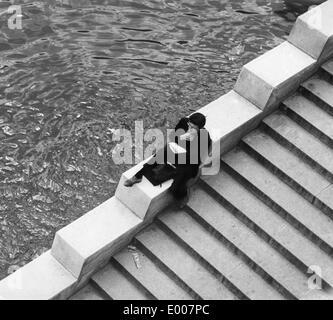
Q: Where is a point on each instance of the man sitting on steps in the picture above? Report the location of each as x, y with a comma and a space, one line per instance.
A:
187, 162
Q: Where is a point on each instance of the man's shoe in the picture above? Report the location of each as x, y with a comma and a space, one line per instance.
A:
183, 202
132, 181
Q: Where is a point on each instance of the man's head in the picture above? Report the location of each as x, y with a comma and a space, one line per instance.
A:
197, 120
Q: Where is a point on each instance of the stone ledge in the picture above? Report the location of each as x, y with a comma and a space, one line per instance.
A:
144, 199
91, 240
228, 119
313, 32
84, 246
268, 79
42, 279
229, 116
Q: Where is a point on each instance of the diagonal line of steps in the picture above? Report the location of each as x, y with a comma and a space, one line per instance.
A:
269, 225
255, 252
326, 195
169, 272
118, 285
296, 139
309, 116
167, 250
288, 167
320, 92
151, 277
212, 251
283, 199
89, 292
328, 67
206, 264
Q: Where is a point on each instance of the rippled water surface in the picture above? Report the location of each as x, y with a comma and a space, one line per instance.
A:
79, 69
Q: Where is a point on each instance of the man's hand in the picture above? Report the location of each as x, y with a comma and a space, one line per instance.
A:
205, 165
189, 135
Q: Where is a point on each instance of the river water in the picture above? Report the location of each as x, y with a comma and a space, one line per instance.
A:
78, 69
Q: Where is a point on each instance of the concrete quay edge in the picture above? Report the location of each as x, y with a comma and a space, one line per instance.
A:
86, 245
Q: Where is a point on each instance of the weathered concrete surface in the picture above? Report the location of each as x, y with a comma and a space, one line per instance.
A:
301, 139
322, 89
144, 199
227, 113
261, 254
312, 114
150, 276
288, 163
229, 118
326, 196
115, 284
276, 190
214, 251
264, 221
328, 67
270, 78
189, 269
289, 168
319, 294
42, 279
91, 240
313, 32
87, 293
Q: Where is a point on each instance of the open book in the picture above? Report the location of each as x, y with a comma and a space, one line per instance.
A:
176, 149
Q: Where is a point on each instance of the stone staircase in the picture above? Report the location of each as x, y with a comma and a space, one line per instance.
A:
252, 231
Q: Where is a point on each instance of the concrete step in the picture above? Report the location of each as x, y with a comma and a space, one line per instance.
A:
301, 142
319, 91
312, 118
117, 285
326, 195
328, 67
182, 263
88, 292
270, 226
151, 277
214, 252
288, 167
313, 222
255, 252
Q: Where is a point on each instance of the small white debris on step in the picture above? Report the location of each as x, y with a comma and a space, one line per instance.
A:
135, 255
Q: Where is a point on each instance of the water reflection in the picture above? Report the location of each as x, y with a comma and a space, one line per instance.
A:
79, 69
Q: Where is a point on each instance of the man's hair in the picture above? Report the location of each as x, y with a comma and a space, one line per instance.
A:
198, 119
